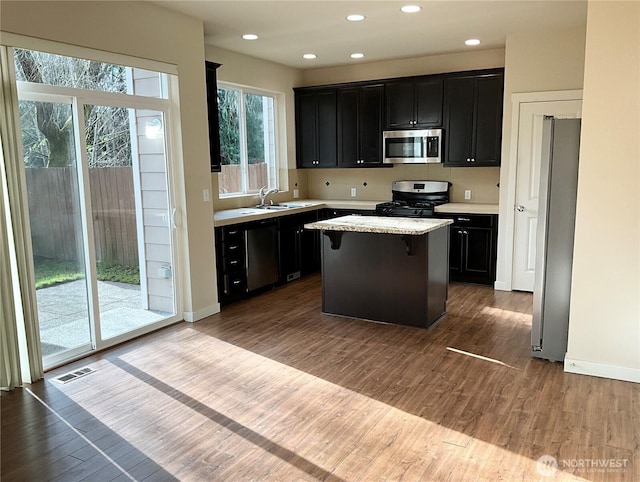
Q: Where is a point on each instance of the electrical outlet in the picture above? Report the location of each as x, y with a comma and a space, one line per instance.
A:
353, 192
205, 195
296, 193
467, 194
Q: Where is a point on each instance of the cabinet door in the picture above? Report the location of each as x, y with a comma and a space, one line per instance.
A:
399, 104
212, 114
488, 121
455, 252
370, 124
348, 142
459, 120
428, 103
306, 129
478, 254
289, 240
326, 129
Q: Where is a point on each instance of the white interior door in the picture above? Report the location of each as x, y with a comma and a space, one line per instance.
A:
528, 184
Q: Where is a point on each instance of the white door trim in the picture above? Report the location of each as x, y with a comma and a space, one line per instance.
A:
508, 181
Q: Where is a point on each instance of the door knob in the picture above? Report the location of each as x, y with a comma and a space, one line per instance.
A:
520, 208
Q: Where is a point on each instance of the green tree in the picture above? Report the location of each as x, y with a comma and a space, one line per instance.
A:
255, 128
229, 120
47, 128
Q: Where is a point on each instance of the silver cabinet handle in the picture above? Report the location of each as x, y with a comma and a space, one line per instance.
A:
464, 219
520, 208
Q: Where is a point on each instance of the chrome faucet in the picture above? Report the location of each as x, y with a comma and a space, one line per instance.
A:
264, 194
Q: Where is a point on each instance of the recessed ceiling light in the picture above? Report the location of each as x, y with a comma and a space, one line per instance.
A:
309, 56
355, 17
472, 41
250, 36
411, 8
357, 55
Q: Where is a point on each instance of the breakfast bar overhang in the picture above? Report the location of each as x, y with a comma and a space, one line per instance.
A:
388, 269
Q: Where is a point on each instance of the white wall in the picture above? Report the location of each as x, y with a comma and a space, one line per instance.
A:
148, 31
533, 63
433, 64
604, 328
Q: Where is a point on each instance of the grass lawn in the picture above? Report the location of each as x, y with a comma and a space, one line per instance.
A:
50, 272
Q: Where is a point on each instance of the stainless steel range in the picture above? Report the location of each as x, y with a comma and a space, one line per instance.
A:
415, 199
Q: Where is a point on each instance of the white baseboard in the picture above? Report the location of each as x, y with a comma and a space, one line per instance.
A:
601, 370
193, 316
500, 286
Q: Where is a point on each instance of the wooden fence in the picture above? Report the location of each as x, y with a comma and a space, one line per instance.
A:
54, 212
231, 178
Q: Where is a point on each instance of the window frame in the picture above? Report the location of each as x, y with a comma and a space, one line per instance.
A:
273, 167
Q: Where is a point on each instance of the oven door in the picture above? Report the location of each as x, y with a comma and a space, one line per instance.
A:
412, 147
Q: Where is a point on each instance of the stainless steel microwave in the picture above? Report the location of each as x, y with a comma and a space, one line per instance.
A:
412, 146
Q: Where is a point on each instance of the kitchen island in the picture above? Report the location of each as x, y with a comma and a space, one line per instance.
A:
388, 269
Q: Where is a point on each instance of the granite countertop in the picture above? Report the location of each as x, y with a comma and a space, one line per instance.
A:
242, 215
381, 224
467, 208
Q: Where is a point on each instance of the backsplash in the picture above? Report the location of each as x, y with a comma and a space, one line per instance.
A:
374, 184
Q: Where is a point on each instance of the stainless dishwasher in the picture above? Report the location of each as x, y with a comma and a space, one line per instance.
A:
261, 243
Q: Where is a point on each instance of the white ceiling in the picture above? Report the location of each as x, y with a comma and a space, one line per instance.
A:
289, 29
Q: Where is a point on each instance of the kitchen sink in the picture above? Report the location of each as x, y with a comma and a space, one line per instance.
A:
297, 205
274, 207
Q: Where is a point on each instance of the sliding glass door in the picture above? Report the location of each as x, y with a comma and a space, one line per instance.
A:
100, 201
132, 223
55, 200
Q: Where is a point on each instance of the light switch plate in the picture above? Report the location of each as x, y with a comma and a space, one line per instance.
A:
296, 193
205, 195
353, 192
467, 194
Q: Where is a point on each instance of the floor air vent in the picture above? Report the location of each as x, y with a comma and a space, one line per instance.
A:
69, 377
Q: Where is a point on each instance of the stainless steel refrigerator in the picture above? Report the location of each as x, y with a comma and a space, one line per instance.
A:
555, 233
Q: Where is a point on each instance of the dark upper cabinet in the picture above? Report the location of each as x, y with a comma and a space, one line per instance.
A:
316, 128
360, 125
212, 114
473, 119
413, 103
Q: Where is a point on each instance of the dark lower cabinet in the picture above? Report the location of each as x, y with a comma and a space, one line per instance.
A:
299, 247
231, 263
297, 251
328, 213
472, 249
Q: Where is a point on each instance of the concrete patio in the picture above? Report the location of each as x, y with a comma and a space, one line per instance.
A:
63, 313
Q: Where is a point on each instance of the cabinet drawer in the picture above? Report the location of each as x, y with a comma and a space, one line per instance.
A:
233, 249
476, 220
232, 234
233, 262
235, 283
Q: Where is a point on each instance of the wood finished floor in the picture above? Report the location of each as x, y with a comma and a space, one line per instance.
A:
271, 389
